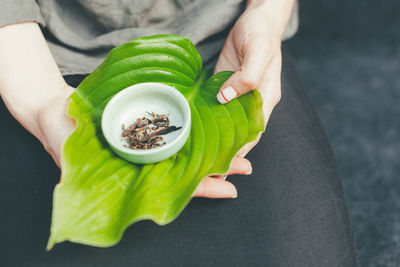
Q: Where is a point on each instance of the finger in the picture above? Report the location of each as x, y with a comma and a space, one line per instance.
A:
215, 188
240, 165
256, 59
270, 89
270, 86
223, 177
219, 176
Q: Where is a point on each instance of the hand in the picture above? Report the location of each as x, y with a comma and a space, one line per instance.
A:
253, 51
53, 123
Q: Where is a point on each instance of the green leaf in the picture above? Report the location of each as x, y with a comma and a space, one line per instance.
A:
100, 194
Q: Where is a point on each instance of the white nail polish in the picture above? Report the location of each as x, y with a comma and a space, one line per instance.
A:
226, 95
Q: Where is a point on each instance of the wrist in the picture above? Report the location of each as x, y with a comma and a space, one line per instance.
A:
29, 113
52, 123
29, 76
277, 12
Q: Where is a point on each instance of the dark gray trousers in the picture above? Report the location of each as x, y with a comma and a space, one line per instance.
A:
290, 212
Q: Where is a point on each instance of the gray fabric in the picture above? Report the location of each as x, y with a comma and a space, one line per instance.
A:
14, 11
81, 32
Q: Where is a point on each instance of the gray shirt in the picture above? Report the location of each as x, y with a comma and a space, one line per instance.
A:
81, 32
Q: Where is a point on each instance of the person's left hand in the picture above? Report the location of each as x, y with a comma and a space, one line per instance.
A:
253, 51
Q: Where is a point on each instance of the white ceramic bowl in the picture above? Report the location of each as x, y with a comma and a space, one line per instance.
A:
133, 102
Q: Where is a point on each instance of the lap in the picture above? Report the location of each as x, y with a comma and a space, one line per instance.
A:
302, 214
290, 212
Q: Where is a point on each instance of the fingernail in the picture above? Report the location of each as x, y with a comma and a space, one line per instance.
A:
235, 196
226, 95
249, 172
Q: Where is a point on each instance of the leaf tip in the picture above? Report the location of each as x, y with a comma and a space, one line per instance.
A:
50, 244
52, 241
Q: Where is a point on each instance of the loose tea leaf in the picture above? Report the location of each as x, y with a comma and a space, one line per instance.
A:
144, 132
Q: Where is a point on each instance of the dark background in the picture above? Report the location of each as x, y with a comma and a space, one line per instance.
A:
347, 53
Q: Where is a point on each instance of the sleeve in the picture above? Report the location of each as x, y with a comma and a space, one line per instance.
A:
293, 24
14, 11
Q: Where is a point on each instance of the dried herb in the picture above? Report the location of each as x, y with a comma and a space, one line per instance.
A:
145, 132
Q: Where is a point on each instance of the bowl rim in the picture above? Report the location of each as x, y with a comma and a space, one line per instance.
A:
133, 88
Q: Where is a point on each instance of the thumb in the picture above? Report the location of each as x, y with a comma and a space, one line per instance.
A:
256, 60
